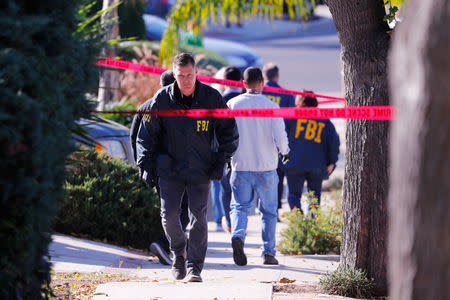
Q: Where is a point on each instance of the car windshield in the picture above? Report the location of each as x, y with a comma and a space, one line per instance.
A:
154, 27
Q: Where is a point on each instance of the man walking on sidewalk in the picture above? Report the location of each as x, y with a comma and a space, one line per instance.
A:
178, 150
159, 247
254, 168
271, 75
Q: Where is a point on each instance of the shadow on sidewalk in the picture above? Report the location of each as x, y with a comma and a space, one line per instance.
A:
261, 267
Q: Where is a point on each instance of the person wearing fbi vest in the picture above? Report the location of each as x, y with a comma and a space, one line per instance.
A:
179, 151
271, 75
159, 247
254, 168
314, 152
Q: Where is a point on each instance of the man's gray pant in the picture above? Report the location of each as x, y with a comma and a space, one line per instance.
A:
171, 193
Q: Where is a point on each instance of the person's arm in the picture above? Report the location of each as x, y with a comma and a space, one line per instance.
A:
135, 127
226, 133
333, 144
148, 140
280, 136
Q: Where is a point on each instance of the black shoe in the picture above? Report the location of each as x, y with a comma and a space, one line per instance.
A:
238, 252
179, 268
162, 255
270, 260
194, 276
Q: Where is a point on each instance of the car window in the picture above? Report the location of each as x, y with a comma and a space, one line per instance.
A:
154, 27
112, 147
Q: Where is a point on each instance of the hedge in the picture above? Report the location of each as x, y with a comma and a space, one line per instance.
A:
46, 67
106, 200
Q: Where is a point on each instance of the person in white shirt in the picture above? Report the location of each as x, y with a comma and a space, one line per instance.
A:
254, 168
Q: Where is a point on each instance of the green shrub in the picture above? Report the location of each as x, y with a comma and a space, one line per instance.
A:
106, 200
320, 234
46, 67
347, 282
122, 105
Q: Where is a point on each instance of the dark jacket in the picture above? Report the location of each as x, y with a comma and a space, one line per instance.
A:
136, 124
314, 144
181, 148
230, 94
283, 100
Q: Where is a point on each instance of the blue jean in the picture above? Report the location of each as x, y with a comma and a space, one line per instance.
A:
221, 198
218, 211
296, 180
243, 184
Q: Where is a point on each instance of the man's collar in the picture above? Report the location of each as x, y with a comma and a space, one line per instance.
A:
272, 83
178, 95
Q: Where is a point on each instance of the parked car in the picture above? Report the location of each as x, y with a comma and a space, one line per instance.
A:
110, 137
236, 54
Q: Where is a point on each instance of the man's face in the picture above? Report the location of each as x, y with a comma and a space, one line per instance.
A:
185, 77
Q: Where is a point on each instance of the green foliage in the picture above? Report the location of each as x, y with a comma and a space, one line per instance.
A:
206, 10
320, 234
347, 282
122, 105
46, 67
131, 23
106, 200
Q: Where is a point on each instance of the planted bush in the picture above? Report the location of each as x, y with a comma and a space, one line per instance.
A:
347, 282
106, 200
319, 232
122, 105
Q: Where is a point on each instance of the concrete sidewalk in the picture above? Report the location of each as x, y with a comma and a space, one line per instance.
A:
222, 279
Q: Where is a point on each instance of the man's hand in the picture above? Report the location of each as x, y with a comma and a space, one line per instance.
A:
217, 171
285, 158
330, 169
150, 179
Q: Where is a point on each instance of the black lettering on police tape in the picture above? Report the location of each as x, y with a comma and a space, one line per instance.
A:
340, 112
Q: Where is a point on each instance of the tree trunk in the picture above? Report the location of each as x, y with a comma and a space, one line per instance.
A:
109, 79
364, 47
419, 237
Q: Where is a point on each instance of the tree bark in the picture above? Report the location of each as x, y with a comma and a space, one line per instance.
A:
109, 79
364, 48
419, 237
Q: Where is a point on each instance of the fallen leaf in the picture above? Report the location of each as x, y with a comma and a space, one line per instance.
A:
287, 280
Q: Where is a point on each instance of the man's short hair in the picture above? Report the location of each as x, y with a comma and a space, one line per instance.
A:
166, 78
253, 75
270, 71
183, 59
233, 73
310, 102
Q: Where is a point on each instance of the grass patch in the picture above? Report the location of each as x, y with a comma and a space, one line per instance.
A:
68, 286
347, 282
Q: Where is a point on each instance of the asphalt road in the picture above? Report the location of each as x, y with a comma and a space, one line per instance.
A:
310, 61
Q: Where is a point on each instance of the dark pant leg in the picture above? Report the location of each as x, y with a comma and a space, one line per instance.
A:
198, 236
184, 217
171, 193
281, 175
314, 182
226, 197
295, 186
